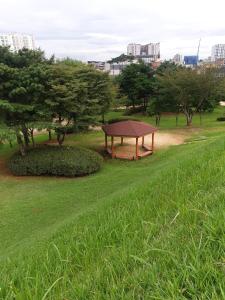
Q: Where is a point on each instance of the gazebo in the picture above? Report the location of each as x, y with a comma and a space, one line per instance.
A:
129, 129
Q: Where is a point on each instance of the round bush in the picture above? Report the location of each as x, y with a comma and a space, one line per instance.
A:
56, 161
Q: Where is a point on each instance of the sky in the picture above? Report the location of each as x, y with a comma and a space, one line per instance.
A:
102, 29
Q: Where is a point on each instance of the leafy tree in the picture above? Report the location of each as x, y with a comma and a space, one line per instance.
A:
42, 92
168, 66
20, 95
23, 58
136, 82
77, 95
191, 90
121, 58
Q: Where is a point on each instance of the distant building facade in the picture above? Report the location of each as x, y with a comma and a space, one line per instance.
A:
191, 60
148, 53
99, 65
115, 68
178, 59
17, 41
218, 52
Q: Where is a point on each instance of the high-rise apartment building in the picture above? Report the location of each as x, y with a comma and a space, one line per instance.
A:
178, 59
134, 49
149, 52
218, 52
17, 41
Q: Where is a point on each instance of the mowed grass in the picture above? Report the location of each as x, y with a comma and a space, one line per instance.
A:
152, 229
168, 121
148, 229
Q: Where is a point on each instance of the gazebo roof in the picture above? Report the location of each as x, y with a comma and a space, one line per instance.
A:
128, 129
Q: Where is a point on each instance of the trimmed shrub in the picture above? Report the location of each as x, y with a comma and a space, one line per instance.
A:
221, 119
71, 129
56, 161
115, 120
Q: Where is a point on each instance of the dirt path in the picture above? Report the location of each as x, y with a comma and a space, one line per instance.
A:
162, 140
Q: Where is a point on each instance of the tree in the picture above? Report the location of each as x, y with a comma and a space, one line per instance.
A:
21, 92
121, 58
77, 95
191, 90
168, 66
23, 58
43, 93
136, 82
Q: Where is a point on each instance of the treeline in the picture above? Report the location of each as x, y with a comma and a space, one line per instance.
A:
41, 93
170, 88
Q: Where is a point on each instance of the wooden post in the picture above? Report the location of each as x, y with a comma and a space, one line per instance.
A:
136, 148
112, 146
152, 142
143, 141
121, 140
106, 141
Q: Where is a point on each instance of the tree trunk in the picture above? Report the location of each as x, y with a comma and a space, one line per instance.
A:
32, 137
176, 120
189, 119
20, 143
26, 136
60, 138
157, 119
103, 118
49, 134
200, 116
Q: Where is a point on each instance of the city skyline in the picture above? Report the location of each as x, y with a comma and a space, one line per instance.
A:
96, 30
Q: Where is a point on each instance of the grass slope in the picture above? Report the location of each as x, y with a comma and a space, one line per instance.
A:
156, 230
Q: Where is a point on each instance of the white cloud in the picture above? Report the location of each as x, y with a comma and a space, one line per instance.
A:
101, 29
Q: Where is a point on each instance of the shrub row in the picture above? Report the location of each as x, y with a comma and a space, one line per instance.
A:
71, 129
221, 119
56, 161
115, 120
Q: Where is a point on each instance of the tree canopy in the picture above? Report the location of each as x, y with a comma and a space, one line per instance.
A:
36, 90
136, 82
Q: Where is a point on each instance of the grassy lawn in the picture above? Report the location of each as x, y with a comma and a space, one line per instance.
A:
147, 229
169, 121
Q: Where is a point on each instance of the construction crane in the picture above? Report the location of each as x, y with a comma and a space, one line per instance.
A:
198, 50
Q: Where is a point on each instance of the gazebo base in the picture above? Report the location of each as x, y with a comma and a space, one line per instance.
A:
143, 152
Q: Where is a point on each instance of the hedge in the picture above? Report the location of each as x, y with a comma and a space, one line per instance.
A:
120, 119
221, 119
56, 161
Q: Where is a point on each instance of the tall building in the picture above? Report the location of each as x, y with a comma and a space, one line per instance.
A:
178, 59
149, 52
134, 49
17, 41
218, 52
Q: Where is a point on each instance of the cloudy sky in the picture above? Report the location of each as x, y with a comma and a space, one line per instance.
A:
101, 29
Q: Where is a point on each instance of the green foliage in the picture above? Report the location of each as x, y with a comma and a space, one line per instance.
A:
136, 82
221, 119
36, 90
56, 161
188, 90
120, 119
168, 67
23, 58
7, 135
121, 58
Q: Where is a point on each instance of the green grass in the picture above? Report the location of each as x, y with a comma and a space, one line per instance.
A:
151, 229
169, 121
